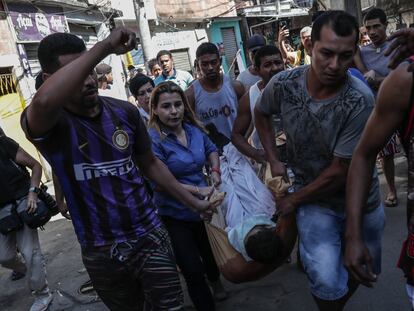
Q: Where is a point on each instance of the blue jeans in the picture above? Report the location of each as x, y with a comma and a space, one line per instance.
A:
321, 232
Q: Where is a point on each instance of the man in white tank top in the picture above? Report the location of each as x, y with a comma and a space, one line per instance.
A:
214, 96
268, 61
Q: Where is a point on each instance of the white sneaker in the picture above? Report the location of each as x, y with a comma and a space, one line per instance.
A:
41, 303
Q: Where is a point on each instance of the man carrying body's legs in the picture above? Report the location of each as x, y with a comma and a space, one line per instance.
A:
324, 110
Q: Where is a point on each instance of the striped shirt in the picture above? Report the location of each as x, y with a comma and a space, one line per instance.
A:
93, 159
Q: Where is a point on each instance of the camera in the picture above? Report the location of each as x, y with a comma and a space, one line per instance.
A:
49, 201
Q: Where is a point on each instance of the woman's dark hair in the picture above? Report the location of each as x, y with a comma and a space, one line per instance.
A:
162, 53
341, 22
55, 45
266, 50
139, 80
207, 48
376, 13
264, 246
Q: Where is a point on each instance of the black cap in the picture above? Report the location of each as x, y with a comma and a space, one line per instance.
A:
255, 42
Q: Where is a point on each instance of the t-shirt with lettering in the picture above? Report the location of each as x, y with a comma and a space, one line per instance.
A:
93, 159
318, 130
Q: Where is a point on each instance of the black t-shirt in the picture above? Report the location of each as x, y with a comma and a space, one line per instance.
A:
14, 179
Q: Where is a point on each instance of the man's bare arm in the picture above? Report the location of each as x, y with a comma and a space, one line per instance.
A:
358, 62
283, 35
158, 172
388, 115
264, 128
44, 110
189, 93
239, 89
240, 128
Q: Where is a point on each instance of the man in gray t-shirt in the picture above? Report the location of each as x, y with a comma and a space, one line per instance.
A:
323, 110
375, 68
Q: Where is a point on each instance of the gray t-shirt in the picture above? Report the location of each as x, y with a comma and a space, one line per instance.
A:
374, 59
318, 130
247, 79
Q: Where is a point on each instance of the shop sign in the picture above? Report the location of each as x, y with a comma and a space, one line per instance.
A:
34, 26
23, 58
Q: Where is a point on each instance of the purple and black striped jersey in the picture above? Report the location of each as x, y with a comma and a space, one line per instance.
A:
93, 159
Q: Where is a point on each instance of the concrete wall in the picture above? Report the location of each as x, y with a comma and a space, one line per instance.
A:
184, 9
183, 39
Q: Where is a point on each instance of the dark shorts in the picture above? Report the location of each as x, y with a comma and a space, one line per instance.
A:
390, 148
136, 274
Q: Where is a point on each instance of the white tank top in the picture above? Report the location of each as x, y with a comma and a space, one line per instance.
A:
218, 109
254, 94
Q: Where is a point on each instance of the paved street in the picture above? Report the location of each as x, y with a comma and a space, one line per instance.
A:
285, 289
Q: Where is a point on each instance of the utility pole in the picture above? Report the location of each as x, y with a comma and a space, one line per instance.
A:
143, 30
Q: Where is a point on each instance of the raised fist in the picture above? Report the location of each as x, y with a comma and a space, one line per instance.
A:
120, 41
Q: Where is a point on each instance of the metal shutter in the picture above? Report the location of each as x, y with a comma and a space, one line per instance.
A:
230, 46
86, 32
31, 52
181, 59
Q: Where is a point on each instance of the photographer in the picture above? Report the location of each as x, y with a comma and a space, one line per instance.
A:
301, 56
19, 192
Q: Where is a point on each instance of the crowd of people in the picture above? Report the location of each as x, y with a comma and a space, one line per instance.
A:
287, 150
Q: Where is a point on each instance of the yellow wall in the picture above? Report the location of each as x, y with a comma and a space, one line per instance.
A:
10, 111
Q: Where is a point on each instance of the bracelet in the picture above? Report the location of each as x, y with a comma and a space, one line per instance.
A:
216, 169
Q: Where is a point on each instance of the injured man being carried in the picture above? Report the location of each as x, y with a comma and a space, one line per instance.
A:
246, 243
255, 239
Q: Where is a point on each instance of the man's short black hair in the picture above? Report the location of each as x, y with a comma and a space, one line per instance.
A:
151, 63
376, 13
162, 53
139, 80
207, 48
316, 15
266, 50
264, 246
341, 22
55, 45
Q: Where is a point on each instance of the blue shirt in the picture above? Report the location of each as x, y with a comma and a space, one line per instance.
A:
358, 74
179, 77
185, 163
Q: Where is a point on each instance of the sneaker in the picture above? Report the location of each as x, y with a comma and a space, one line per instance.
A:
17, 276
218, 290
41, 303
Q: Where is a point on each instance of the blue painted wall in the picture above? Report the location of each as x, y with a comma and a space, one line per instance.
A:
214, 34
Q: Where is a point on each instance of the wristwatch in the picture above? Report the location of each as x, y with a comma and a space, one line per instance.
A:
34, 189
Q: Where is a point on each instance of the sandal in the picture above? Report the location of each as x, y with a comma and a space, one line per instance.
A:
86, 288
391, 201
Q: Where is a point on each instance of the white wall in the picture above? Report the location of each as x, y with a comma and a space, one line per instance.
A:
185, 39
126, 6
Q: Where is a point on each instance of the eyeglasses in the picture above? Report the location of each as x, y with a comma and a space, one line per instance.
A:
147, 91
